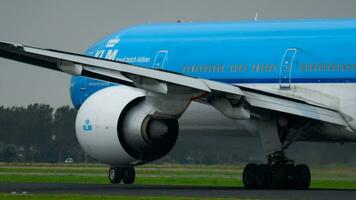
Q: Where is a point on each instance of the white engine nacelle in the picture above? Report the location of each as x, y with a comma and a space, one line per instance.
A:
116, 126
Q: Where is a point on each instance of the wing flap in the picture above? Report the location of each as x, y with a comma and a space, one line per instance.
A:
295, 108
222, 87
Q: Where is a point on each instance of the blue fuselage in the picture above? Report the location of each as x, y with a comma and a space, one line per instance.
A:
274, 52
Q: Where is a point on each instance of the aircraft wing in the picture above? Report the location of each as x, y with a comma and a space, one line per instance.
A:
156, 80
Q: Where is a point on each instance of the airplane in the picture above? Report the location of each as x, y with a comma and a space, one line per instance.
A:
294, 78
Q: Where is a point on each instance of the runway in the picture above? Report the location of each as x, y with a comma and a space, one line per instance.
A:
178, 191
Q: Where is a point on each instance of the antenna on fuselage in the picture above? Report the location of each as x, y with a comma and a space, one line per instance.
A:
256, 17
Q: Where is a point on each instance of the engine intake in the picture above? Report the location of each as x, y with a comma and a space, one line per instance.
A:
143, 136
116, 126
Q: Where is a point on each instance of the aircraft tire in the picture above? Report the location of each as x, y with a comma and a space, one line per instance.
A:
128, 175
279, 178
114, 175
263, 176
302, 177
249, 176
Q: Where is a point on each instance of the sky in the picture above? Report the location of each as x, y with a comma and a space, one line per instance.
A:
73, 25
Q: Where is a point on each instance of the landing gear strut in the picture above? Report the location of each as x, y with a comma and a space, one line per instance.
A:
279, 173
125, 174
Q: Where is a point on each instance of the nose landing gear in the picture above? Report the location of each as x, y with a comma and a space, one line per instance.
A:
125, 174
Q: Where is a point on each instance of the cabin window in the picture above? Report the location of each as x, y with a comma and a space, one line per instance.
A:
348, 68
301, 67
343, 67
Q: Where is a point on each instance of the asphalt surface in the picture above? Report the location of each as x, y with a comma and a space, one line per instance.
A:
180, 191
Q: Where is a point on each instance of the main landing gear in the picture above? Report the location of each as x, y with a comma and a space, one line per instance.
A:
279, 173
125, 174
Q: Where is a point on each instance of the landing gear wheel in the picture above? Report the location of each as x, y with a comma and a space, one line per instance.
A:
279, 177
115, 175
302, 177
249, 176
264, 177
128, 175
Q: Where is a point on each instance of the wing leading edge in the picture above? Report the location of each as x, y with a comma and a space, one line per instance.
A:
130, 75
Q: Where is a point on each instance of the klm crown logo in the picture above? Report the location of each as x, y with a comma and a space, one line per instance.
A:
87, 126
113, 42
